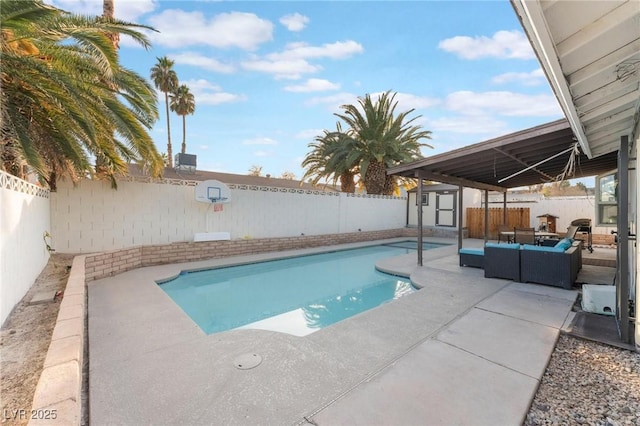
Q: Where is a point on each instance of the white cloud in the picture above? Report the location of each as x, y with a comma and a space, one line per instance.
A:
201, 85
308, 133
292, 63
123, 10
533, 78
407, 101
226, 30
201, 61
203, 147
504, 103
207, 93
286, 69
503, 44
302, 50
262, 153
475, 124
260, 141
218, 98
313, 85
294, 22
333, 102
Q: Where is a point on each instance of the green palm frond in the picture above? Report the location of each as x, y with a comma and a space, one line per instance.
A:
381, 136
65, 97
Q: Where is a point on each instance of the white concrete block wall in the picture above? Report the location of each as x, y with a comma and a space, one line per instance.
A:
260, 214
24, 218
567, 209
371, 214
92, 217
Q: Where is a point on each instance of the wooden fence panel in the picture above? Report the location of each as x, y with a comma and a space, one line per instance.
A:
516, 217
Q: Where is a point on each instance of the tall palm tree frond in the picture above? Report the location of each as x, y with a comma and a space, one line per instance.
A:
165, 80
182, 102
61, 100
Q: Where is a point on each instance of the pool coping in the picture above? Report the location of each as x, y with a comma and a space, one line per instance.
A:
60, 387
58, 393
149, 366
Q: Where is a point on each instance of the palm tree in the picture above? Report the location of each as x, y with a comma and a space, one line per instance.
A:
182, 102
166, 80
255, 170
64, 94
329, 159
108, 12
379, 140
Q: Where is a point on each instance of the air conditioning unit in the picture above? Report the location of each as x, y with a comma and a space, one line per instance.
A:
185, 163
599, 299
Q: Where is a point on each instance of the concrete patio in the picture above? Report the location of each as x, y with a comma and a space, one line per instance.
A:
462, 350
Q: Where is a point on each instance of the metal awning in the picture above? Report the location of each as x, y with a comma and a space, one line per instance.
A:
490, 165
590, 52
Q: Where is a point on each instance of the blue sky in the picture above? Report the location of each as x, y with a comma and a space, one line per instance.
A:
268, 76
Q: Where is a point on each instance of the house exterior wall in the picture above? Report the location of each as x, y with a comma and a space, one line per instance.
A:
634, 252
92, 217
24, 218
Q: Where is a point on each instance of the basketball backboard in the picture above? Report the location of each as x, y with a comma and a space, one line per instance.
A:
212, 191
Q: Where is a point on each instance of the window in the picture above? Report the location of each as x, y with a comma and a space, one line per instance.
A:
607, 199
425, 199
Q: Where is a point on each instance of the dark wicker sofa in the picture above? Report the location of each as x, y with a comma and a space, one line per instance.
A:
502, 261
544, 265
471, 257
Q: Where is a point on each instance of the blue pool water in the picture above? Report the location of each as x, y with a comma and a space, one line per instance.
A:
297, 295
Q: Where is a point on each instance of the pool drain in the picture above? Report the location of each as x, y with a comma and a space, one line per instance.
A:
247, 361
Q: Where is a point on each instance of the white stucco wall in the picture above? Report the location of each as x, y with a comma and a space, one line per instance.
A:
93, 217
24, 218
566, 209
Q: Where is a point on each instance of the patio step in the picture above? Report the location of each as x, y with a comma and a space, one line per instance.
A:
611, 263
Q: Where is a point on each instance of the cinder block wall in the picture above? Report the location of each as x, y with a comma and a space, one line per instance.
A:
92, 217
24, 218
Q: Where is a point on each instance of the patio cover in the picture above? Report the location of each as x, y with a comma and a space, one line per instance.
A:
529, 157
590, 53
484, 165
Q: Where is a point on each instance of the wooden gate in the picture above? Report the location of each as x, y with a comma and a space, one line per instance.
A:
516, 217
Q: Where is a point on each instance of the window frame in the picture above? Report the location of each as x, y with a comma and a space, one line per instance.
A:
425, 198
600, 204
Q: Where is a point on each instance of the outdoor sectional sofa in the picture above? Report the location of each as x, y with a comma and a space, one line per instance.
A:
556, 266
502, 261
471, 257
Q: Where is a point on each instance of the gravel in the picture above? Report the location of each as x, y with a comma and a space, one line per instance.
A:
588, 383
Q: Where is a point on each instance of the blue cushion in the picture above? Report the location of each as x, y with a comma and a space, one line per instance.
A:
542, 248
477, 252
503, 246
564, 244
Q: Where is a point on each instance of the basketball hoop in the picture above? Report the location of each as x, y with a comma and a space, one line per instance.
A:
218, 207
213, 192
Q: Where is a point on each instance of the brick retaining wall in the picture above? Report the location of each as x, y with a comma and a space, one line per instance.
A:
111, 263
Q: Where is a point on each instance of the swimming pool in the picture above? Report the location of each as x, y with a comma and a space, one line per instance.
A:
296, 295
